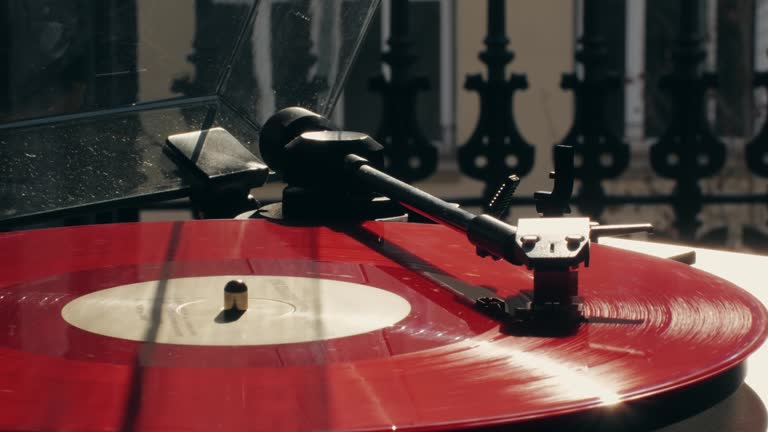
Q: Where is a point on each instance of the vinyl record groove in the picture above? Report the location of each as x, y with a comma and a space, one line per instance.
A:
352, 328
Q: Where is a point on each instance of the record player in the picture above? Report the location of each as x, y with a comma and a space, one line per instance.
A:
358, 302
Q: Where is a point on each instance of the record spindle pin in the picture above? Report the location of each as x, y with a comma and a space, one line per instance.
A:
235, 299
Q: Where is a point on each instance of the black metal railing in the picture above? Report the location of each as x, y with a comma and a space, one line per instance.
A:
686, 152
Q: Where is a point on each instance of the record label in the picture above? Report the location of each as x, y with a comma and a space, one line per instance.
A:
281, 310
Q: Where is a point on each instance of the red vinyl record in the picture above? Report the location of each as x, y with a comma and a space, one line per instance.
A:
118, 327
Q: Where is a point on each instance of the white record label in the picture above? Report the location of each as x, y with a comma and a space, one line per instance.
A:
281, 309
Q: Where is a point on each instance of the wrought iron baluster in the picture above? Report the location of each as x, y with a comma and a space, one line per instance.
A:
757, 149
602, 153
688, 150
756, 155
496, 147
409, 154
292, 75
207, 51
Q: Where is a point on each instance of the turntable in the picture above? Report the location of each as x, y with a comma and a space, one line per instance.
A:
338, 308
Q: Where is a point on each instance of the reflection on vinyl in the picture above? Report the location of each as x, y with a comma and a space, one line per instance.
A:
119, 327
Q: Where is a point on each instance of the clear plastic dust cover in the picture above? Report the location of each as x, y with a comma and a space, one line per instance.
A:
92, 88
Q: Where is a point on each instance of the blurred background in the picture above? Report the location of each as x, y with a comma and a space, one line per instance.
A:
664, 101
628, 50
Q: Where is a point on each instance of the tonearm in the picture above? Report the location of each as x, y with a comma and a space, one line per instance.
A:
312, 156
